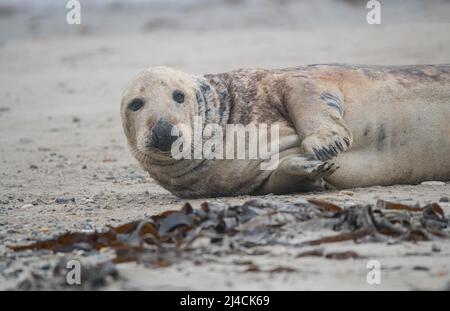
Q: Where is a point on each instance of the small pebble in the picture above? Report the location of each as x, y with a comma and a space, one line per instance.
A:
45, 266
345, 192
27, 206
44, 229
421, 268
444, 199
435, 248
433, 183
64, 200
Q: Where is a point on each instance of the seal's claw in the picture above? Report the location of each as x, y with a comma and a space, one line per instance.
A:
339, 145
347, 141
316, 153
324, 155
335, 151
326, 169
327, 154
319, 169
310, 169
325, 146
331, 169
331, 151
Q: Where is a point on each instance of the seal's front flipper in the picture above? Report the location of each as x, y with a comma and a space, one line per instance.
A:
327, 142
317, 112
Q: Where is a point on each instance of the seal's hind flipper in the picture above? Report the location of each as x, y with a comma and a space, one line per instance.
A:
311, 169
298, 174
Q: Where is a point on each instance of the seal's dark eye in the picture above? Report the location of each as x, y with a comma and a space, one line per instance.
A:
178, 96
136, 104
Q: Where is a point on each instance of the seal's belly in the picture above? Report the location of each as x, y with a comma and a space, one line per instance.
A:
403, 137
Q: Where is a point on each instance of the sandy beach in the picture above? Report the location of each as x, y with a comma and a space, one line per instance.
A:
65, 165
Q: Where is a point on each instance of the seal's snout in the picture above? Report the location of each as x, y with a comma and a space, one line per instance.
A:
161, 136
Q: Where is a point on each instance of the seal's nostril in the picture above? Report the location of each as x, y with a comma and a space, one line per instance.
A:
162, 138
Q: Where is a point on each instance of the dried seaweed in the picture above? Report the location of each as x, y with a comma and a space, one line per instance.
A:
218, 229
326, 206
397, 206
279, 269
342, 255
347, 236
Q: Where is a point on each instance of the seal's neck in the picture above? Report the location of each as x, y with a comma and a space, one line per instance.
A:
213, 99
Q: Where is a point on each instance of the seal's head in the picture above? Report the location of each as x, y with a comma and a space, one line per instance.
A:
156, 101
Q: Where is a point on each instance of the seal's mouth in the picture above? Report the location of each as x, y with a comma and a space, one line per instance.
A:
157, 143
152, 155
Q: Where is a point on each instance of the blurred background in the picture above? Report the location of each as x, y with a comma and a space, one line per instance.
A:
226, 34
